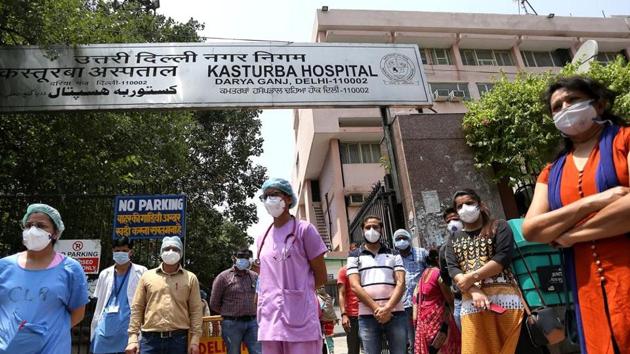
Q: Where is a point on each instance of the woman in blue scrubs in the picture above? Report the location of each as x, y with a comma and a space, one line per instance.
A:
42, 293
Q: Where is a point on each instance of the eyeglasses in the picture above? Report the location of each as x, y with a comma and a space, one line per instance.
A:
39, 225
270, 194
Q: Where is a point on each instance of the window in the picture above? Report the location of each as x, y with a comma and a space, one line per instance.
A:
491, 57
441, 56
454, 89
436, 56
356, 199
539, 59
504, 57
484, 87
607, 57
360, 152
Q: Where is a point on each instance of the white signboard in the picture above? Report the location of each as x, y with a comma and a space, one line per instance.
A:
431, 201
199, 75
86, 252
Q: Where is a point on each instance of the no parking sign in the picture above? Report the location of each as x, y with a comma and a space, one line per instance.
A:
86, 252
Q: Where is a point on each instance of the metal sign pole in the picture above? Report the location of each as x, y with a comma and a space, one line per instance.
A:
391, 153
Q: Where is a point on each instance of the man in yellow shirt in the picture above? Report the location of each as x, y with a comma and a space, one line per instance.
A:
166, 307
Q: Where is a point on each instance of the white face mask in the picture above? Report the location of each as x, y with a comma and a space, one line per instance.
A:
275, 206
454, 226
170, 257
372, 236
575, 119
35, 239
121, 257
469, 213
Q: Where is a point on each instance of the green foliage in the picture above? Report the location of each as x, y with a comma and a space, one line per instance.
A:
70, 22
509, 129
77, 161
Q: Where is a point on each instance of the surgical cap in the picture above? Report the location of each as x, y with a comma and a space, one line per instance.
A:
281, 185
402, 232
52, 213
172, 241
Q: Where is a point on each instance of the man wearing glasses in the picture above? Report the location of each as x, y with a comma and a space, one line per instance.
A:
291, 256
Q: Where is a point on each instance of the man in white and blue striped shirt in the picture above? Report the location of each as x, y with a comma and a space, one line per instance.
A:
377, 276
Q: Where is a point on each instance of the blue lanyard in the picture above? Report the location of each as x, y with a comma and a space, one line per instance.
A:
118, 289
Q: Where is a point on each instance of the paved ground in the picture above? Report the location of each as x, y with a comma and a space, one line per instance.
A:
340, 344
341, 347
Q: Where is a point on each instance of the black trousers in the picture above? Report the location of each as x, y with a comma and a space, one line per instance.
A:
352, 337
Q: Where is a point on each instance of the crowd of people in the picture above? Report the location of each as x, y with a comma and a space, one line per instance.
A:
461, 297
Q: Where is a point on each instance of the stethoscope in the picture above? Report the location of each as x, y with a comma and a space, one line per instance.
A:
285, 250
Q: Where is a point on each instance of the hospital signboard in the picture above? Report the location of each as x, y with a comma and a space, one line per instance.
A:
211, 75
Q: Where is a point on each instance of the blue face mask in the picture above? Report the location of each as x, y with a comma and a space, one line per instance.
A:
242, 263
402, 244
121, 257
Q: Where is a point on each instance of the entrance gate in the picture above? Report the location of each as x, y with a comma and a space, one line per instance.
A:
199, 76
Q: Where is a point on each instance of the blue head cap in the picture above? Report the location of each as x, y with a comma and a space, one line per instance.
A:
52, 213
281, 185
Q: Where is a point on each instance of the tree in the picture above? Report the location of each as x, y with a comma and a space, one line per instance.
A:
77, 161
70, 22
509, 129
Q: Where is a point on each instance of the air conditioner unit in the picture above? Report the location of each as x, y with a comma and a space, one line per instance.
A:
440, 95
456, 96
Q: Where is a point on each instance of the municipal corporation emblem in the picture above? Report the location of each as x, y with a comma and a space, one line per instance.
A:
399, 69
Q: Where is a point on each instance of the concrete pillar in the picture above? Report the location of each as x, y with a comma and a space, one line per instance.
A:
516, 52
457, 57
341, 237
308, 202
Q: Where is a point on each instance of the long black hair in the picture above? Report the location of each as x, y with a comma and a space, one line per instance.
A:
433, 259
487, 225
594, 90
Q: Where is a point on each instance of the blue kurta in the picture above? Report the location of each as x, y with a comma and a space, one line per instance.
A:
111, 332
35, 306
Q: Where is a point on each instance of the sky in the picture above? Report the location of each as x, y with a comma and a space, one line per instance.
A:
293, 20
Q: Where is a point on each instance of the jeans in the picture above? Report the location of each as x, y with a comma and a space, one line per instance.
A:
457, 313
411, 329
371, 333
235, 332
352, 337
153, 344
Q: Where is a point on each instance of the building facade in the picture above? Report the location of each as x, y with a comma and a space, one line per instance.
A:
340, 153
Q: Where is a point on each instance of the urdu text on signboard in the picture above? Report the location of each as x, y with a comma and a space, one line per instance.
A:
202, 75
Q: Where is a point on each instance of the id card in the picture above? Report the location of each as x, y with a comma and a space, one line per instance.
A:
113, 309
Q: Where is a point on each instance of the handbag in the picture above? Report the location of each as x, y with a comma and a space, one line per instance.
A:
543, 324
